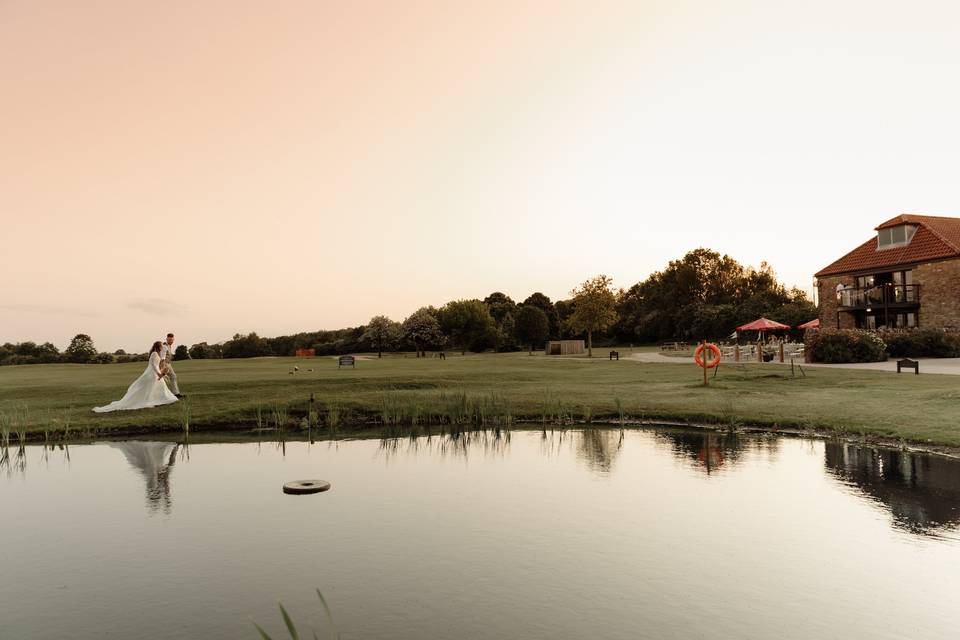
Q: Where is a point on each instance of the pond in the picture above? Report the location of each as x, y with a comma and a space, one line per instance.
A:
662, 533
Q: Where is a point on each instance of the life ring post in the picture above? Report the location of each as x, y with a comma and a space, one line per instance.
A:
706, 381
699, 356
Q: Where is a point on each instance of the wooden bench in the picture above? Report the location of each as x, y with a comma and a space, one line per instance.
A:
615, 355
907, 363
344, 361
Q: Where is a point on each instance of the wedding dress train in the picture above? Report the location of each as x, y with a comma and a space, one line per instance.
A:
146, 391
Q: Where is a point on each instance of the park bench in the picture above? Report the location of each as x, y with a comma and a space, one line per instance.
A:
907, 363
615, 355
344, 361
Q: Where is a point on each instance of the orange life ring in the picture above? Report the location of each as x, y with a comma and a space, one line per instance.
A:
698, 355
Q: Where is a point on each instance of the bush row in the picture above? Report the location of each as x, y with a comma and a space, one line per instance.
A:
844, 345
922, 343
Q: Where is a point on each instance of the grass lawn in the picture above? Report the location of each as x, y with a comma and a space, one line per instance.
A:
226, 393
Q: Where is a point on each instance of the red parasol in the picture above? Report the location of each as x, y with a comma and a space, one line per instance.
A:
813, 324
763, 324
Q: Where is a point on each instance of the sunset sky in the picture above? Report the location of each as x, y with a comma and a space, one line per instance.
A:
220, 167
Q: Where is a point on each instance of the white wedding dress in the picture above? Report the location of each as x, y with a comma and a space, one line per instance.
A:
146, 391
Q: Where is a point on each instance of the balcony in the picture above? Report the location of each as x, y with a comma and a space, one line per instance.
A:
880, 296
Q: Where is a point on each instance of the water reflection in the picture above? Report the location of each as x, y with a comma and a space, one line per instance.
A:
922, 492
154, 461
599, 448
493, 442
707, 451
18, 461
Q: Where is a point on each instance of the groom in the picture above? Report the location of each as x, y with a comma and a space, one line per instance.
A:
166, 365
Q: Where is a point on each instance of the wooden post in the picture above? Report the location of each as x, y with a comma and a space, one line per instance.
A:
703, 354
760, 351
781, 352
736, 353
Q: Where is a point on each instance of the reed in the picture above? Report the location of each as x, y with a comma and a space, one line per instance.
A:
546, 407
292, 629
621, 410
458, 409
281, 415
185, 413
394, 409
586, 414
21, 420
5, 424
334, 415
258, 416
66, 423
313, 416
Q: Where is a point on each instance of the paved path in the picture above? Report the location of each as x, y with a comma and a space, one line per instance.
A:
949, 366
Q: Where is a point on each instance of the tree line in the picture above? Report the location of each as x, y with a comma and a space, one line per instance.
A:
702, 295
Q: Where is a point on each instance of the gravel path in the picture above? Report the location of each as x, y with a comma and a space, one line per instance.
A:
948, 366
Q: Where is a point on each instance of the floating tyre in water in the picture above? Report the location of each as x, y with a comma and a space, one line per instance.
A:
306, 486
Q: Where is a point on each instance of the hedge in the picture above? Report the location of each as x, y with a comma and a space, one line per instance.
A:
844, 345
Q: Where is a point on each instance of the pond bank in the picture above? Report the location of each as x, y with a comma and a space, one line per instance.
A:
45, 401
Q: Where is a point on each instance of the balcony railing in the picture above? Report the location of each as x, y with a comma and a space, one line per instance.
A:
883, 295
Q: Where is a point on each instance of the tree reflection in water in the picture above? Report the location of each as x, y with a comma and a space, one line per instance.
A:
922, 492
599, 448
154, 461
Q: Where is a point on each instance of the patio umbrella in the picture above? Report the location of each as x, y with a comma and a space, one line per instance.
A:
813, 324
763, 324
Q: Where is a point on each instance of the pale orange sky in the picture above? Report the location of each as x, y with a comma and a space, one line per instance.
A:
221, 167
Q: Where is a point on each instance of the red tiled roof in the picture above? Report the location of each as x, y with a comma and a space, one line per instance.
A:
936, 238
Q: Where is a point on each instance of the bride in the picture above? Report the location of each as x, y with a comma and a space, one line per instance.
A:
149, 390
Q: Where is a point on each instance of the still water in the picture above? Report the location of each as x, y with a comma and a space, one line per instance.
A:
595, 534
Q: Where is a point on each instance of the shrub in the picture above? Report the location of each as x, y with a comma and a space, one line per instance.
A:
920, 343
845, 345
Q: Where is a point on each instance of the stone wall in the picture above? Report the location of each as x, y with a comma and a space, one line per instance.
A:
939, 294
827, 296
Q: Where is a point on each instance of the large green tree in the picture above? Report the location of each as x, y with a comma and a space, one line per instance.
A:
705, 295
502, 309
202, 351
544, 303
469, 324
81, 349
422, 328
383, 333
594, 308
531, 326
499, 305
246, 346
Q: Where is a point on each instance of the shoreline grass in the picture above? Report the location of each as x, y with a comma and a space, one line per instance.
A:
486, 389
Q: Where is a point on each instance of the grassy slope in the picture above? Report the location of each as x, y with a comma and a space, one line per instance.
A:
222, 392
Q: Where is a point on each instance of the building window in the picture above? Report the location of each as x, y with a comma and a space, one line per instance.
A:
895, 236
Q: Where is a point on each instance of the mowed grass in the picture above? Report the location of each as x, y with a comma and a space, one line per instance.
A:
226, 393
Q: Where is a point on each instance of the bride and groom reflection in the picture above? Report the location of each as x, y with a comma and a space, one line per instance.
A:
154, 461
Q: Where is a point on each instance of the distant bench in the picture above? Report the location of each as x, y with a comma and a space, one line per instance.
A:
614, 355
346, 361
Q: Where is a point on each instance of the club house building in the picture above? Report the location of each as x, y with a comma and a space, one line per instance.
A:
908, 275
